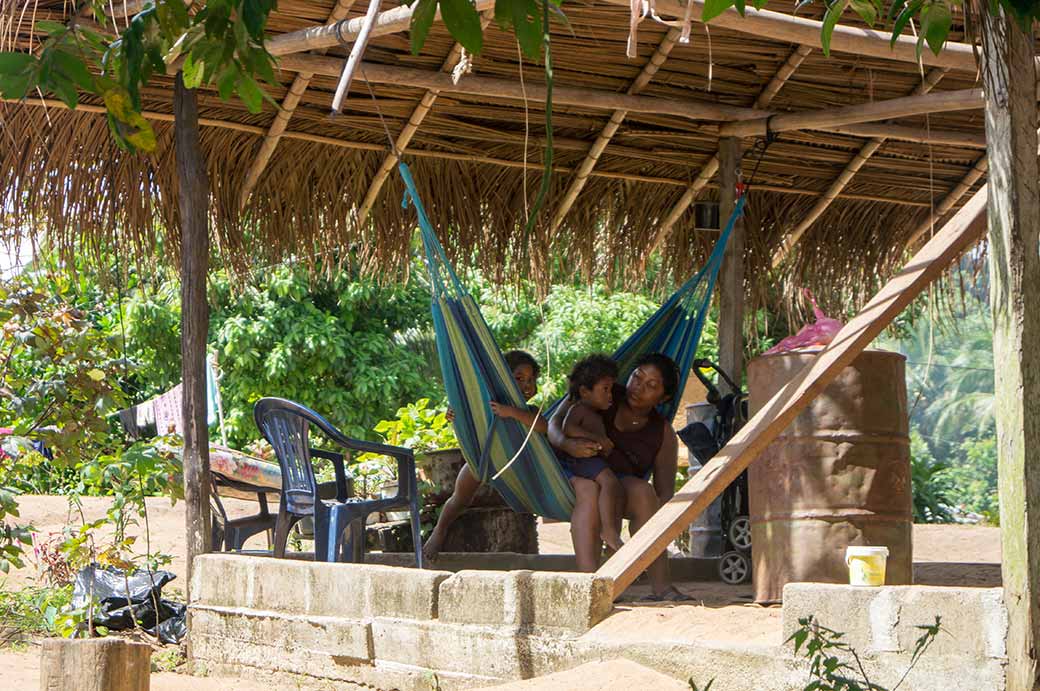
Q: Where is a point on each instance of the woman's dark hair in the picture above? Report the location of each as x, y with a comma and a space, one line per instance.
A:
515, 358
666, 366
588, 372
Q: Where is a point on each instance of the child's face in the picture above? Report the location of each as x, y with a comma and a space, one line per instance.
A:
600, 396
525, 378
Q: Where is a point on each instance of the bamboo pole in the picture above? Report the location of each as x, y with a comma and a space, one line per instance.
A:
333, 34
943, 207
608, 131
574, 144
356, 51
764, 98
410, 130
581, 97
777, 26
282, 117
945, 101
917, 135
963, 230
845, 177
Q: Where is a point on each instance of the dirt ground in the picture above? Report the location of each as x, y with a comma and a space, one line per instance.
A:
943, 555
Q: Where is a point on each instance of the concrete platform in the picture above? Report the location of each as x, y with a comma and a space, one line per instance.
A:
374, 626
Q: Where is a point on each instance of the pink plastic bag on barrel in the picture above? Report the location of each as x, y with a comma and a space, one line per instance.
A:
819, 333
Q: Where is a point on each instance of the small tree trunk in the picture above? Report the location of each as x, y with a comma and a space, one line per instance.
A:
193, 186
102, 664
1014, 259
731, 276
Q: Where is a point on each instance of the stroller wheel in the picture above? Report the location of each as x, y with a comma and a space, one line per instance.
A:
734, 568
739, 533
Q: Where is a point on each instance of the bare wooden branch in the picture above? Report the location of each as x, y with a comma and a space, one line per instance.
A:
356, 51
409, 131
846, 175
765, 97
608, 131
282, 117
963, 230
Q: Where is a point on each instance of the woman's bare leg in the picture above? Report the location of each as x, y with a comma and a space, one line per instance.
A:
466, 486
585, 525
610, 493
641, 503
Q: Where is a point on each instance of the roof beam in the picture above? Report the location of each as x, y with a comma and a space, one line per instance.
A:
282, 117
474, 85
944, 101
409, 130
608, 131
765, 97
334, 33
977, 172
916, 135
846, 175
778, 26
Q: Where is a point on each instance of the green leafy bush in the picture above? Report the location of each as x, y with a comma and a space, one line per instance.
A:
929, 479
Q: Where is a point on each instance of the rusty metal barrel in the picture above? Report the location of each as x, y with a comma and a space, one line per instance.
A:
839, 475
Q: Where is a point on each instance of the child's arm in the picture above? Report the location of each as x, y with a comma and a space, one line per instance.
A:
583, 423
525, 417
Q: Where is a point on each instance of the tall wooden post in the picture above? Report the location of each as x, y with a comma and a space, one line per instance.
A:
193, 187
731, 276
1009, 78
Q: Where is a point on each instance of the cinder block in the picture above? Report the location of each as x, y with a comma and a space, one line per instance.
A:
572, 601
338, 590
885, 620
402, 593
485, 650
481, 597
223, 580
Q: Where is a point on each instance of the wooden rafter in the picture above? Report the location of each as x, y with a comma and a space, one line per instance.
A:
846, 175
608, 131
409, 131
764, 98
282, 117
960, 233
977, 172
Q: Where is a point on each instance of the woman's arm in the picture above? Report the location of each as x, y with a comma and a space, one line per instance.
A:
522, 415
665, 465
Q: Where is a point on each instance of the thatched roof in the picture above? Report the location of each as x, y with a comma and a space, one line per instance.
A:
61, 170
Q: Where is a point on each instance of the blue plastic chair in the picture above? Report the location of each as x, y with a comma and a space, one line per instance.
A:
285, 425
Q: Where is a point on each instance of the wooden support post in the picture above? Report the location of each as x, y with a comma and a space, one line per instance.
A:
1014, 259
963, 230
731, 275
101, 664
193, 190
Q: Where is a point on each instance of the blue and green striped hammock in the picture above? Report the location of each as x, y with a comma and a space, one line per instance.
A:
475, 372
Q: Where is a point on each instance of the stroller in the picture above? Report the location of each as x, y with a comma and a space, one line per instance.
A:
704, 439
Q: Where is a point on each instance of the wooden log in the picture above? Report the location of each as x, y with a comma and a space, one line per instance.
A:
193, 205
99, 664
963, 230
777, 26
945, 101
844, 178
610, 129
764, 98
731, 275
917, 135
1009, 77
334, 34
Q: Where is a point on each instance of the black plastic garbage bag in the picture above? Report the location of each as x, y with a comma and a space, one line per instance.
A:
123, 598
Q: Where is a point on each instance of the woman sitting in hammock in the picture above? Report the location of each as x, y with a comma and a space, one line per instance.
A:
645, 447
584, 529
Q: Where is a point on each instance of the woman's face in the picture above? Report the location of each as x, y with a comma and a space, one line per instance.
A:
526, 380
645, 388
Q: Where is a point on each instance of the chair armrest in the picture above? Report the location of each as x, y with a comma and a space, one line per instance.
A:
337, 465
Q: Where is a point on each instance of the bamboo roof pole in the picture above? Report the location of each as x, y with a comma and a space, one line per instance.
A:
778, 26
410, 129
764, 98
282, 117
977, 172
917, 135
326, 36
608, 131
846, 175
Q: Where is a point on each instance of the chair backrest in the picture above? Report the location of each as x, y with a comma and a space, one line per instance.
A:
285, 425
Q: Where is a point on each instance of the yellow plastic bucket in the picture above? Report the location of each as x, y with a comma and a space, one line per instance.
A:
866, 565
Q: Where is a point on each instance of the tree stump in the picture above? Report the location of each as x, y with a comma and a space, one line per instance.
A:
99, 664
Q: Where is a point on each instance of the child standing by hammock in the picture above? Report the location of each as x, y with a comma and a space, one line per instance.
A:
591, 385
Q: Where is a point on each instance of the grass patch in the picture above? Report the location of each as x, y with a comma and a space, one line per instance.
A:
32, 611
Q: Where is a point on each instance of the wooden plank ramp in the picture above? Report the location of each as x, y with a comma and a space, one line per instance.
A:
959, 234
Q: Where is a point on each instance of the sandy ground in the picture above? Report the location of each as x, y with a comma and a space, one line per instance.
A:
613, 675
944, 555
